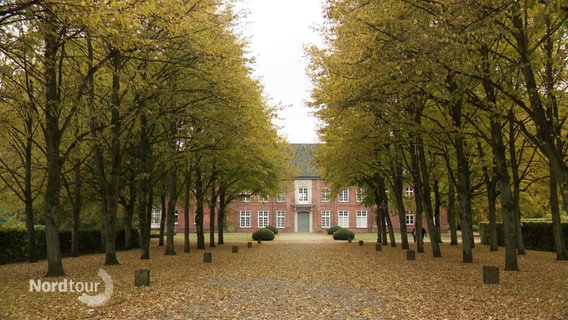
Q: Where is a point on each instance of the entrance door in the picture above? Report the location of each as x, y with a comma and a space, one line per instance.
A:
303, 222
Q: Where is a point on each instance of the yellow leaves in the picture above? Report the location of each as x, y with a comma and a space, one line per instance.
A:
318, 279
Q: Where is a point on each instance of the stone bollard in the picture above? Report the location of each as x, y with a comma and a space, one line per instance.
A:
235, 249
361, 243
410, 255
490, 275
142, 277
378, 247
249, 244
207, 257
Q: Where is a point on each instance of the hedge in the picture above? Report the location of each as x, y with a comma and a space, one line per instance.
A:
14, 244
536, 235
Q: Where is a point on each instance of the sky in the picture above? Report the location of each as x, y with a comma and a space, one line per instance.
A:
277, 31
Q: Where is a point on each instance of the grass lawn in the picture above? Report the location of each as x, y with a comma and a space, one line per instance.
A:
287, 279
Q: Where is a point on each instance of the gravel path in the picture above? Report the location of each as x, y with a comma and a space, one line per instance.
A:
284, 282
304, 237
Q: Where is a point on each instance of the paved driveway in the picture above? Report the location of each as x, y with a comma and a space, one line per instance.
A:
303, 237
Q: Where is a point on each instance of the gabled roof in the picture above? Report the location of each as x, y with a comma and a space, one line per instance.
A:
303, 161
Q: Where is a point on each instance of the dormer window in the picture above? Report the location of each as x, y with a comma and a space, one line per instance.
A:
302, 195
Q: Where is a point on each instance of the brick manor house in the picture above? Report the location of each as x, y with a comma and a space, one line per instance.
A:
306, 205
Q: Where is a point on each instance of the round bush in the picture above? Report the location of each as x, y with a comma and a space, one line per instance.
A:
273, 229
263, 234
343, 234
332, 230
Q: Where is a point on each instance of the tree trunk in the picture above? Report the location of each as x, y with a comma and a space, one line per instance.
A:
170, 215
52, 134
452, 214
28, 194
501, 171
129, 211
463, 172
113, 190
144, 220
516, 181
547, 130
464, 200
109, 190
384, 223
385, 209
221, 217
492, 212
507, 205
162, 217
212, 215
76, 210
186, 204
556, 220
109, 206
418, 200
427, 200
398, 186
564, 193
390, 227
380, 219
144, 198
491, 186
199, 199
437, 209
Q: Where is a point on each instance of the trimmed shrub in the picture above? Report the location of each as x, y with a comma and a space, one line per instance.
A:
14, 244
343, 234
273, 229
332, 230
156, 233
537, 235
263, 234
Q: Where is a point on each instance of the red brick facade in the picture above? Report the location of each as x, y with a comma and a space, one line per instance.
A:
293, 213
306, 206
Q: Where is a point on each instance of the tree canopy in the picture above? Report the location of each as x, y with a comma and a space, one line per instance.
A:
469, 94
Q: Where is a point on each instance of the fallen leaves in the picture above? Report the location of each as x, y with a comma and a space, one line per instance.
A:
299, 280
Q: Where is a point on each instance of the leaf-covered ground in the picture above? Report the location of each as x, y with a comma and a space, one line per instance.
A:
316, 278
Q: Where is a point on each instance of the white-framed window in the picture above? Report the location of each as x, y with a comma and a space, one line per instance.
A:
281, 197
280, 219
360, 195
361, 219
409, 191
176, 217
156, 217
409, 218
262, 198
262, 218
343, 218
325, 219
325, 193
343, 196
246, 197
302, 195
245, 219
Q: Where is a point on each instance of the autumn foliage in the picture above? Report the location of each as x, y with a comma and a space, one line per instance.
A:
309, 278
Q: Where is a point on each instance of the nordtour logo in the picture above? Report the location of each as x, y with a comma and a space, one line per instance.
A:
83, 287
